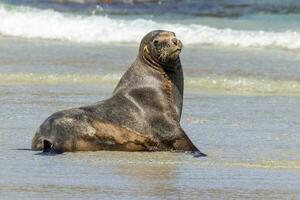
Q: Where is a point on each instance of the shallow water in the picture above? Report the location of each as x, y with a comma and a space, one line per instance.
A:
252, 143
251, 136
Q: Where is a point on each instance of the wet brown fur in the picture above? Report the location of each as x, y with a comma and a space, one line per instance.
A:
124, 138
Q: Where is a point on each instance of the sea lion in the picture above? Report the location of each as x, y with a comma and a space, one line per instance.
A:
143, 113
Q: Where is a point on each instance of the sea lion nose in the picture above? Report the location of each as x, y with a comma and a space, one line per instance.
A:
175, 41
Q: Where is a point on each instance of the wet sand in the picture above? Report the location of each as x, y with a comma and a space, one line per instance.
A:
252, 139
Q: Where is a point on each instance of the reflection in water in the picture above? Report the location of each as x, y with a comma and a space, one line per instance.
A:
156, 176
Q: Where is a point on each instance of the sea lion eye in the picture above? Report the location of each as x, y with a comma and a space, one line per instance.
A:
155, 42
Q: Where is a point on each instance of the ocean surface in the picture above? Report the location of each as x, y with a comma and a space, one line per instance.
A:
241, 61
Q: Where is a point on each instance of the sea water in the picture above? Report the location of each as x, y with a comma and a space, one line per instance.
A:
241, 102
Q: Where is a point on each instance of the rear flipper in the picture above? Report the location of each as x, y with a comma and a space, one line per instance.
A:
48, 147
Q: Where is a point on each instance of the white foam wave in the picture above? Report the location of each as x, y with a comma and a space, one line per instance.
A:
46, 24
235, 85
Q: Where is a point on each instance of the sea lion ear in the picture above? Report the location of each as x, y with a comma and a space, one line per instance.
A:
146, 50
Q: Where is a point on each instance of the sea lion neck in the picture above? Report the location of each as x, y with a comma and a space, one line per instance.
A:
149, 61
171, 76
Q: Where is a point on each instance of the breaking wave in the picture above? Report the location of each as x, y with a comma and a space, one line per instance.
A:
28, 22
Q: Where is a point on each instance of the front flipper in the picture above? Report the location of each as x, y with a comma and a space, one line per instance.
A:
198, 154
185, 144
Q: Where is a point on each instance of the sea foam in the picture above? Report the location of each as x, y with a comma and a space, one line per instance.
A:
48, 24
234, 85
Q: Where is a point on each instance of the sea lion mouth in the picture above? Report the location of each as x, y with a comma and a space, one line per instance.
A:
176, 51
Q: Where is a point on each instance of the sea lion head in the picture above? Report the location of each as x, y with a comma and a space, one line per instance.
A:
161, 47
